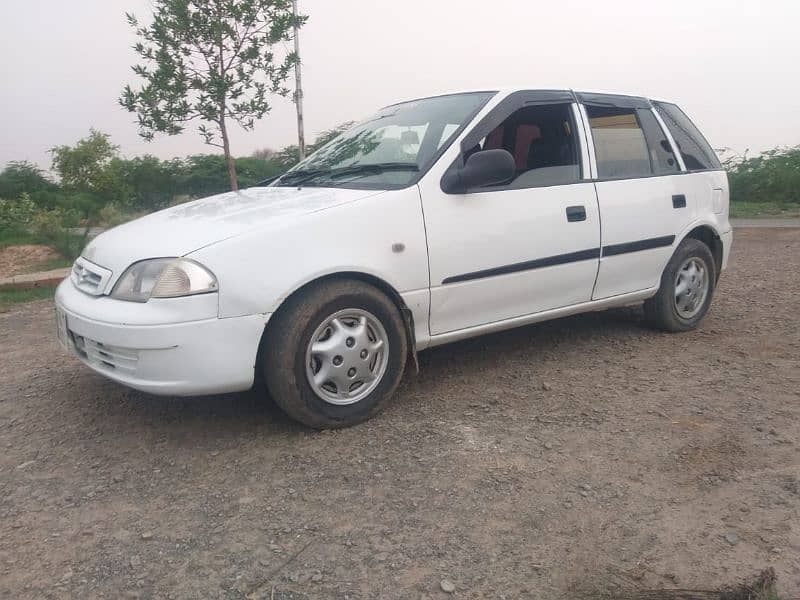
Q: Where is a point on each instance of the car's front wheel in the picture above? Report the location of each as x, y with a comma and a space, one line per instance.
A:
335, 354
687, 286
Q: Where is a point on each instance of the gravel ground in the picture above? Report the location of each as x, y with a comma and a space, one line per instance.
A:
554, 461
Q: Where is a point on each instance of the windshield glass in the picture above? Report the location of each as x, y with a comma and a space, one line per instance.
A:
391, 148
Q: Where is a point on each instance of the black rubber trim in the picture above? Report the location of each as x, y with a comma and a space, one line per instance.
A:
613, 100
562, 259
638, 246
528, 265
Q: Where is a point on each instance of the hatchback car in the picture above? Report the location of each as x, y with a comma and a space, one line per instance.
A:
432, 221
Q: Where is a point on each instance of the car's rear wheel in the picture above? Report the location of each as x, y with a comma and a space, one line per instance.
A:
335, 353
687, 286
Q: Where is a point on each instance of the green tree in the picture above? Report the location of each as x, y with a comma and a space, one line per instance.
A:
87, 181
22, 176
210, 60
83, 167
144, 182
206, 174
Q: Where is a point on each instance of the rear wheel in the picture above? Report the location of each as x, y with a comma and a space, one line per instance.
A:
335, 354
687, 286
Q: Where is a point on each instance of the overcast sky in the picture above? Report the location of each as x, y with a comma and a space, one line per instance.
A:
732, 66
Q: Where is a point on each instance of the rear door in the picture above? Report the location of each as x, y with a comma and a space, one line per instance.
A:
643, 202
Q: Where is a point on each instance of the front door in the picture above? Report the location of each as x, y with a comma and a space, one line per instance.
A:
529, 245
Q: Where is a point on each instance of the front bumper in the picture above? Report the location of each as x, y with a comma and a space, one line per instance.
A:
169, 346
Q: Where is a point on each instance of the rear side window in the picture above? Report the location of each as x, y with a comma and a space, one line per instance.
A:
696, 151
661, 153
619, 143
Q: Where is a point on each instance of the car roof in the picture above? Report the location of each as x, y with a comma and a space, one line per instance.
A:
505, 90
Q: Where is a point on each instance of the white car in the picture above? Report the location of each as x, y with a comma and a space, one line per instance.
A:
433, 221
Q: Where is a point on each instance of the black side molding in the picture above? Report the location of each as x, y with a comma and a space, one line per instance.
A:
638, 246
528, 265
562, 259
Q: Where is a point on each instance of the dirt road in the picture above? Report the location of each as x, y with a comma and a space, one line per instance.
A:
553, 461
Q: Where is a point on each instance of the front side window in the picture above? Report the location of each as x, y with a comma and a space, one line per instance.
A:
619, 144
390, 149
697, 154
542, 140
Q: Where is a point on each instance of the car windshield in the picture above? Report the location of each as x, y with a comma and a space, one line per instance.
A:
391, 148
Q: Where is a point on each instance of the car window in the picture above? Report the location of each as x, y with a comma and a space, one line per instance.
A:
698, 155
661, 153
543, 143
619, 144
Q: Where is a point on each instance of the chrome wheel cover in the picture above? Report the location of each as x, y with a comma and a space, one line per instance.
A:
691, 288
347, 356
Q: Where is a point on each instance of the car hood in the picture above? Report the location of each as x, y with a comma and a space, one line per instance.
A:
182, 229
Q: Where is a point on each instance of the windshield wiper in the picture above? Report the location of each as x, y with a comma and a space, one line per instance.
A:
304, 175
375, 168
296, 177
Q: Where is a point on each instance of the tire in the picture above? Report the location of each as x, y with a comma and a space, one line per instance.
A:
345, 312
673, 313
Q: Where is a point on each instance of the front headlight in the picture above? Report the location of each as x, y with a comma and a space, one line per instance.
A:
163, 278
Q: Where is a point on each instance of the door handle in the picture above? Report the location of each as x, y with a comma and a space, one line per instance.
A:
679, 201
576, 213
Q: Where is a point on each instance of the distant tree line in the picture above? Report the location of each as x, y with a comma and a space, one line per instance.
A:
93, 174
95, 185
771, 177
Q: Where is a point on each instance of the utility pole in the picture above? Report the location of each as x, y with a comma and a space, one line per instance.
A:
298, 94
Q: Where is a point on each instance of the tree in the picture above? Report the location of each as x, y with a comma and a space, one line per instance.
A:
210, 60
22, 176
82, 167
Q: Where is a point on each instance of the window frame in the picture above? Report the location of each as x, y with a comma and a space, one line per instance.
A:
501, 112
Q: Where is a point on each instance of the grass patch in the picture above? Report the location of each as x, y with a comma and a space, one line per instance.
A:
16, 237
763, 209
50, 265
9, 297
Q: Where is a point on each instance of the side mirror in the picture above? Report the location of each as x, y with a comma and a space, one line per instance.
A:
486, 167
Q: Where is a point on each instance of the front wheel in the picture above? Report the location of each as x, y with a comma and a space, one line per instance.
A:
335, 354
687, 286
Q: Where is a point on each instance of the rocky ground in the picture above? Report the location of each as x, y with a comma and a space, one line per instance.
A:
564, 460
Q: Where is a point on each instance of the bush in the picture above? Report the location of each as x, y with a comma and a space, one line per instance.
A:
113, 214
16, 214
772, 177
56, 228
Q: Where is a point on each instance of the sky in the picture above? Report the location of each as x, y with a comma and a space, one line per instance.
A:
732, 66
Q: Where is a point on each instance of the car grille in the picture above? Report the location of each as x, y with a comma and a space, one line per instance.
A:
104, 356
89, 277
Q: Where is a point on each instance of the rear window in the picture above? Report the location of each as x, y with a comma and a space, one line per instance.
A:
619, 143
697, 154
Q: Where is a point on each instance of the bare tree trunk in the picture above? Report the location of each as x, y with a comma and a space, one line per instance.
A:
298, 85
226, 149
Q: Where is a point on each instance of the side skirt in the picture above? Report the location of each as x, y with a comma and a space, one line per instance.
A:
462, 334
